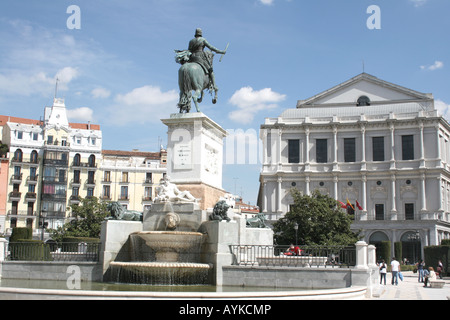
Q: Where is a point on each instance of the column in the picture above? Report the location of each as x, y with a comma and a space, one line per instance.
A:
392, 128
307, 133
394, 198
307, 185
421, 148
335, 153
336, 181
363, 147
279, 190
423, 198
264, 197
364, 197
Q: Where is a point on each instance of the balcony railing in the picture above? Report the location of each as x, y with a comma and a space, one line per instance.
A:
307, 256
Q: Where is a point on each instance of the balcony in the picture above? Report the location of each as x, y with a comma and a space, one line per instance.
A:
148, 181
16, 178
90, 183
124, 197
15, 196
84, 165
105, 197
30, 196
146, 199
32, 179
76, 182
74, 199
21, 214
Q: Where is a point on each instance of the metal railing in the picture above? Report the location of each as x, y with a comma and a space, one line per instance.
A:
306, 256
38, 251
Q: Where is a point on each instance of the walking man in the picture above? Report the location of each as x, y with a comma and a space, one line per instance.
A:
395, 269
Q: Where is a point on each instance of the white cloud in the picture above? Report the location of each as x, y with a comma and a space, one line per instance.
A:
266, 2
250, 102
81, 114
443, 109
418, 3
437, 65
142, 105
33, 57
100, 93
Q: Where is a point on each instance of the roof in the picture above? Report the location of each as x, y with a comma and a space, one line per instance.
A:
83, 126
120, 153
364, 77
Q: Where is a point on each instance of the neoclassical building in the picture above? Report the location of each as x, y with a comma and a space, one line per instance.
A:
378, 145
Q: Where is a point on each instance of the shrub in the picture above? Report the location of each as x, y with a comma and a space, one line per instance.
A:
29, 250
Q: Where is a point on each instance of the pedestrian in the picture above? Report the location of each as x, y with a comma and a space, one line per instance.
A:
430, 277
440, 269
420, 266
383, 271
395, 269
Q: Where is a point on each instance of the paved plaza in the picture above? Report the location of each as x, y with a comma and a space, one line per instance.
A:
411, 289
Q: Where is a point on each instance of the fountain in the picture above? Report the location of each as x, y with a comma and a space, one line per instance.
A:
167, 257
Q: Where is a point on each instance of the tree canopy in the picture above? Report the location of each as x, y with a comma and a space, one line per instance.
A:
320, 219
89, 215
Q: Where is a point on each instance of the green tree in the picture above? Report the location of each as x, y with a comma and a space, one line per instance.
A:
89, 215
4, 149
320, 221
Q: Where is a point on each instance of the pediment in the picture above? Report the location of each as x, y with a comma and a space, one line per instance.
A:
364, 85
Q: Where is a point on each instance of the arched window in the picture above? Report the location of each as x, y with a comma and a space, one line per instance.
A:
77, 160
363, 101
34, 157
18, 155
92, 161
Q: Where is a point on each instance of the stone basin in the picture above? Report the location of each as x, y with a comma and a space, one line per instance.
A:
168, 245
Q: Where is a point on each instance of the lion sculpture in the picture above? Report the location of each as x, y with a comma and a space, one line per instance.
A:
118, 212
220, 212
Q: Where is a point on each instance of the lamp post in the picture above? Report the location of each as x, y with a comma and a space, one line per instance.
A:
42, 223
296, 231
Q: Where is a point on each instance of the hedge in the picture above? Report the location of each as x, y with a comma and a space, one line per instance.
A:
29, 250
435, 253
71, 244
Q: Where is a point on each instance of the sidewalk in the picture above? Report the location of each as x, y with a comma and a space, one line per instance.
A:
411, 289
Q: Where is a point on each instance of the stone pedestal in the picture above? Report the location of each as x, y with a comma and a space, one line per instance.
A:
191, 217
195, 156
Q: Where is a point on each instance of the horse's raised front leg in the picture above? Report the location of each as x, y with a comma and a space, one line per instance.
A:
214, 101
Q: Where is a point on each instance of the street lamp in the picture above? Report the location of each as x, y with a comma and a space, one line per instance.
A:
42, 223
296, 231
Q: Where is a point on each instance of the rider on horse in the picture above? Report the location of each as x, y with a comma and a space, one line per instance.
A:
196, 47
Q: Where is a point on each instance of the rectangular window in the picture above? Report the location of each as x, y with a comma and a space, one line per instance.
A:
106, 192
125, 177
124, 193
349, 150
107, 176
409, 211
294, 151
35, 137
379, 212
378, 149
90, 192
321, 150
408, 147
20, 135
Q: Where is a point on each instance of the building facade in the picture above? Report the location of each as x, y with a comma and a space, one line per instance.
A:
379, 146
131, 178
52, 164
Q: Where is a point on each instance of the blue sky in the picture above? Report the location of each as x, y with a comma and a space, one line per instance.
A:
118, 70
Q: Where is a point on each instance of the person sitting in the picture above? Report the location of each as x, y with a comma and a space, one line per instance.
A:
293, 251
430, 277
